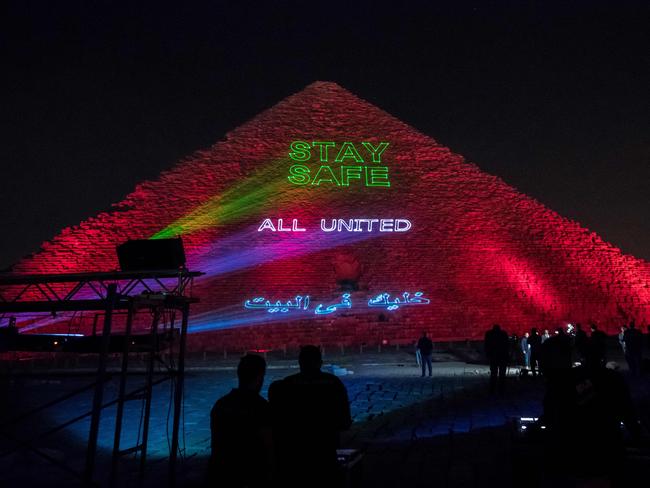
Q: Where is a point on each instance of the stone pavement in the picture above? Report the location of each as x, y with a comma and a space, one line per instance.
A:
441, 431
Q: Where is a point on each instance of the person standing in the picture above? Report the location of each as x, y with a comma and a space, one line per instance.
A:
535, 347
597, 346
621, 338
556, 353
545, 336
581, 343
240, 424
633, 349
425, 346
309, 410
525, 350
497, 347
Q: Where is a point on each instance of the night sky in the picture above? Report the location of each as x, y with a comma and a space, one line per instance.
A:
98, 96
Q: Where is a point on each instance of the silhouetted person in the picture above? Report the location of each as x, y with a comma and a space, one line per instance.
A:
535, 345
633, 349
621, 338
497, 346
581, 342
310, 409
545, 336
525, 350
583, 410
556, 353
597, 347
241, 431
425, 346
514, 347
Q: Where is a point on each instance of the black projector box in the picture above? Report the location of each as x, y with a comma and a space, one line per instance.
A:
155, 254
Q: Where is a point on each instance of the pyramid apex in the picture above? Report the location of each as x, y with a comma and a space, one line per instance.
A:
325, 86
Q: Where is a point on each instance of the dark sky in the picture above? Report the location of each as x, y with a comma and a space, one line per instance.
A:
98, 96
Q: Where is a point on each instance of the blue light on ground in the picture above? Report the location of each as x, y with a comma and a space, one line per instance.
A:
393, 405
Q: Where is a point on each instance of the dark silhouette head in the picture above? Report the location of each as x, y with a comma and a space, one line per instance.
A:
533, 331
310, 359
496, 327
632, 325
579, 326
594, 327
251, 371
424, 333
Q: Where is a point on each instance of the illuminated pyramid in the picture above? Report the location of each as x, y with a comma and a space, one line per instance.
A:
326, 220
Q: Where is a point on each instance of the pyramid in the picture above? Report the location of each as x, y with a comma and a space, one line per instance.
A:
326, 220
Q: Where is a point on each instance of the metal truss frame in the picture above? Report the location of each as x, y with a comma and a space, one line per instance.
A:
163, 290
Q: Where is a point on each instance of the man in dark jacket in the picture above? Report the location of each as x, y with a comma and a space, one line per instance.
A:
425, 346
241, 431
497, 352
310, 409
581, 343
597, 345
535, 343
633, 348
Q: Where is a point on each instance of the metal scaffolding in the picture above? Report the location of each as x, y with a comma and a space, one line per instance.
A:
107, 293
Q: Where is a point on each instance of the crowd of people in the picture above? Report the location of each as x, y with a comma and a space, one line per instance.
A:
630, 340
568, 346
585, 401
289, 440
